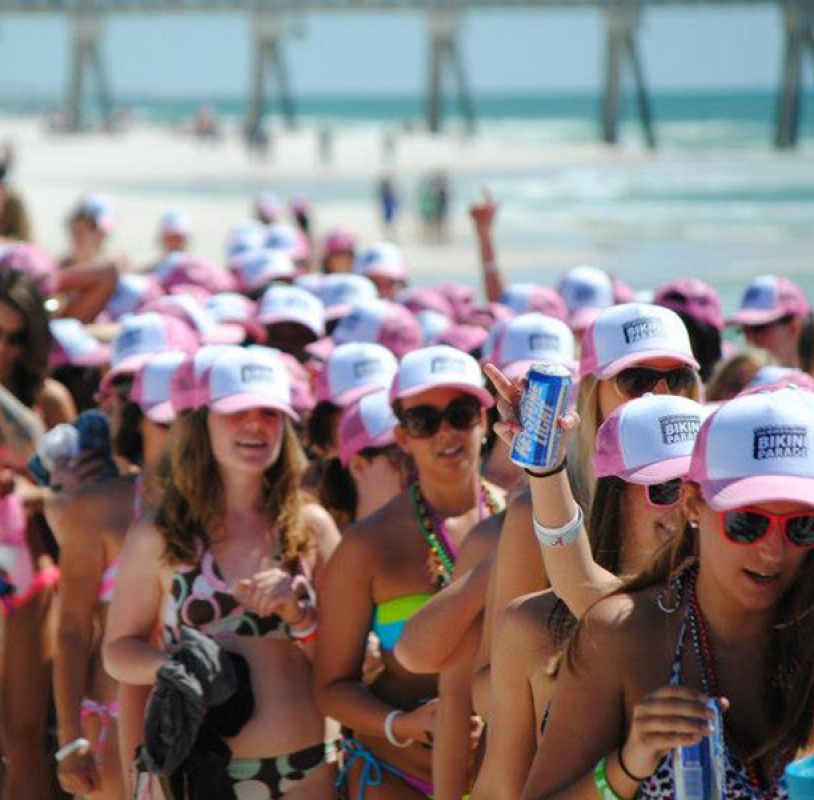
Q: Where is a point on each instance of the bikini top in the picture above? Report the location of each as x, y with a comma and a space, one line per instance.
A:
201, 599
389, 618
661, 784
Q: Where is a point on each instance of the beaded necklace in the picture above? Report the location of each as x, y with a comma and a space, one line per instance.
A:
434, 530
709, 676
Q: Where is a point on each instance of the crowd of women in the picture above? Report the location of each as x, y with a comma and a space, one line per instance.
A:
260, 534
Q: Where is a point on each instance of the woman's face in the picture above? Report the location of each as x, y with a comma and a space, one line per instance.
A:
338, 263
449, 452
12, 339
610, 396
645, 527
248, 441
752, 576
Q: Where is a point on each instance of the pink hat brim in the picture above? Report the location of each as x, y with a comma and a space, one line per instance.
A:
236, 403
482, 394
161, 413
127, 366
93, 358
583, 318
728, 494
349, 397
756, 316
395, 274
226, 333
659, 472
361, 443
615, 367
322, 348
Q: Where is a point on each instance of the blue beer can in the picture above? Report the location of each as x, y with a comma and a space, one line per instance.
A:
544, 401
700, 770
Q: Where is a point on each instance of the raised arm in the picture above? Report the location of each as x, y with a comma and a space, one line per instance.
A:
483, 215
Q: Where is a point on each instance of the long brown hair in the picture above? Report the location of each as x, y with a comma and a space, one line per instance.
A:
21, 292
789, 669
190, 514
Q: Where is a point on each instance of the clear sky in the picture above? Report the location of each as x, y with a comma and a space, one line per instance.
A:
347, 53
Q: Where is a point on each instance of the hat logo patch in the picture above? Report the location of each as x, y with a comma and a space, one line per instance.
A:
364, 369
780, 441
643, 328
447, 364
678, 428
583, 293
543, 342
256, 373
757, 297
129, 340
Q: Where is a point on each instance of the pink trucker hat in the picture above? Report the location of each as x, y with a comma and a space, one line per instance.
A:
436, 367
187, 389
382, 322
586, 290
353, 370
256, 269
243, 237
530, 338
268, 207
468, 338
423, 298
694, 298
151, 386
189, 310
369, 422
142, 336
176, 222
383, 259
288, 239
291, 304
98, 209
340, 240
631, 333
769, 298
241, 380
133, 291
432, 325
487, 315
525, 297
35, 262
757, 448
302, 393
233, 308
340, 292
649, 440
74, 346
179, 268
460, 296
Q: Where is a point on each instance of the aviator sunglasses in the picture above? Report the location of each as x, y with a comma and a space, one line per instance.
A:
422, 422
638, 381
664, 495
750, 525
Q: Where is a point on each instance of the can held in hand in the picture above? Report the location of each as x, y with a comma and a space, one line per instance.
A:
700, 770
545, 400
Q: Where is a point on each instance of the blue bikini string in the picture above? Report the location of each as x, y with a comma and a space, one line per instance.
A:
372, 771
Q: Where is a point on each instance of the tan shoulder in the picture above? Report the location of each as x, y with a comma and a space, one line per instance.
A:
375, 526
481, 542
56, 403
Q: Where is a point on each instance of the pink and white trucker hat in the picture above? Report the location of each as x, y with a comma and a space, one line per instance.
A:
268, 207
241, 380
432, 325
436, 367
694, 298
183, 269
487, 315
353, 370
523, 298
98, 209
176, 222
468, 338
132, 292
757, 448
291, 304
74, 346
530, 338
256, 269
288, 239
302, 393
769, 298
383, 259
340, 292
460, 296
631, 333
151, 386
423, 298
649, 440
244, 236
370, 422
189, 310
187, 389
34, 261
340, 240
382, 322
142, 336
586, 290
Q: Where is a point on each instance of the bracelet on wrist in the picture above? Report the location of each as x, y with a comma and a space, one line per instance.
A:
559, 537
388, 730
624, 768
606, 791
80, 745
534, 474
305, 629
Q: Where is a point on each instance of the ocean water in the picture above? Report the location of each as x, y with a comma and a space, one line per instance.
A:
714, 200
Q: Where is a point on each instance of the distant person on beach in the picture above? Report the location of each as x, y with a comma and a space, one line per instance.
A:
388, 203
14, 221
175, 230
206, 125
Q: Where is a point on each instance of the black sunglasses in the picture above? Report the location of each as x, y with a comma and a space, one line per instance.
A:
664, 495
422, 422
637, 381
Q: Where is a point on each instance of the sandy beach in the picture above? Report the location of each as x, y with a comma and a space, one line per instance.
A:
147, 170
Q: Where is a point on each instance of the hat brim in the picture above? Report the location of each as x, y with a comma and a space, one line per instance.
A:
486, 399
382, 440
345, 399
246, 401
160, 413
756, 316
615, 367
728, 494
322, 348
274, 319
127, 366
93, 358
225, 333
583, 318
662, 471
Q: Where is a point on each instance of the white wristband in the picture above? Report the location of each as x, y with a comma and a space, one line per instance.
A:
559, 537
388, 730
80, 745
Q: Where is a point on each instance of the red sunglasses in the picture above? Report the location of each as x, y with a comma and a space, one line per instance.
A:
750, 525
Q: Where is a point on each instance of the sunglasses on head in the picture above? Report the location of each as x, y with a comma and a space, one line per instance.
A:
422, 422
664, 495
637, 381
750, 525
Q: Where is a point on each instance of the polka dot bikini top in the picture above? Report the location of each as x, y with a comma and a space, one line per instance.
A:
201, 599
